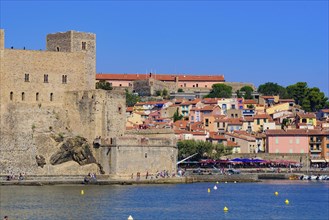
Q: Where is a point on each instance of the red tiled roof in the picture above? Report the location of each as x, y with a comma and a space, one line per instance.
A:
202, 132
129, 109
205, 108
243, 136
210, 100
234, 121
325, 110
231, 144
261, 116
178, 131
221, 118
247, 118
161, 77
196, 126
180, 124
291, 132
249, 101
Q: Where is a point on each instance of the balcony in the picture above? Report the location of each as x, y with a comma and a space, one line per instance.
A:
316, 150
315, 141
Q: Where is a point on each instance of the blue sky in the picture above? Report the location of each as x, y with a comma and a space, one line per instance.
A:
246, 41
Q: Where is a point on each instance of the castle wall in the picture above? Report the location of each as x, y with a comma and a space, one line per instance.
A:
132, 154
238, 85
150, 86
29, 130
51, 127
17, 63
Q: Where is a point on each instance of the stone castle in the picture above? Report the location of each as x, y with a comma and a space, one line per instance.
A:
54, 122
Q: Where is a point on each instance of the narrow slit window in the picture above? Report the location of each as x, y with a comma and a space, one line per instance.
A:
51, 97
83, 46
45, 78
11, 96
57, 48
23, 96
64, 79
37, 96
27, 77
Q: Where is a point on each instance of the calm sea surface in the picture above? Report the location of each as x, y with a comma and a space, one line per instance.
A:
307, 200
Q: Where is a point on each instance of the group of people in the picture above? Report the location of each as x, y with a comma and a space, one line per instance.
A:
13, 177
158, 174
91, 177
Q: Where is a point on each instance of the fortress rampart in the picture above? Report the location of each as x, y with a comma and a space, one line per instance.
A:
53, 120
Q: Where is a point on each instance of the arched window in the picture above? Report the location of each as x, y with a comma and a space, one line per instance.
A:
11, 96
23, 96
51, 97
37, 96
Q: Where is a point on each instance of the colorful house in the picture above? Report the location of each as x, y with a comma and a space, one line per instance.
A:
306, 120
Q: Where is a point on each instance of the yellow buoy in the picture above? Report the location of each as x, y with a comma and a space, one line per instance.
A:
208, 190
287, 201
276, 193
217, 182
82, 192
225, 209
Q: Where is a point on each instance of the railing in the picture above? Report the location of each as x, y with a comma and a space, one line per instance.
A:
316, 150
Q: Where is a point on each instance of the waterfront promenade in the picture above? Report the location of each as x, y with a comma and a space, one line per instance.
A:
247, 175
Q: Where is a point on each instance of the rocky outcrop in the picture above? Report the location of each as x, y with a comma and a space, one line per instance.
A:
73, 149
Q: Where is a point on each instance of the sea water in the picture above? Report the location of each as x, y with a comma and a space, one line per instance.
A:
307, 200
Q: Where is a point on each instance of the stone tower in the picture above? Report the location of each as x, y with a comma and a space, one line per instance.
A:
73, 41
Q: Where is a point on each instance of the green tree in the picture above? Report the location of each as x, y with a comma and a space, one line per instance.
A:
298, 92
238, 94
164, 93
158, 93
180, 90
177, 116
310, 99
102, 84
204, 149
248, 92
131, 99
220, 90
270, 88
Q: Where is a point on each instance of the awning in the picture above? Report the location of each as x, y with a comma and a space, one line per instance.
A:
327, 160
318, 160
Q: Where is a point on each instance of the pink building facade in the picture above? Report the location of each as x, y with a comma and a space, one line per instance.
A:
287, 141
287, 144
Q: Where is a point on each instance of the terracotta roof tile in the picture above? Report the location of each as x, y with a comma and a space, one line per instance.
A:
291, 132
161, 77
231, 144
234, 121
262, 116
249, 101
129, 109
